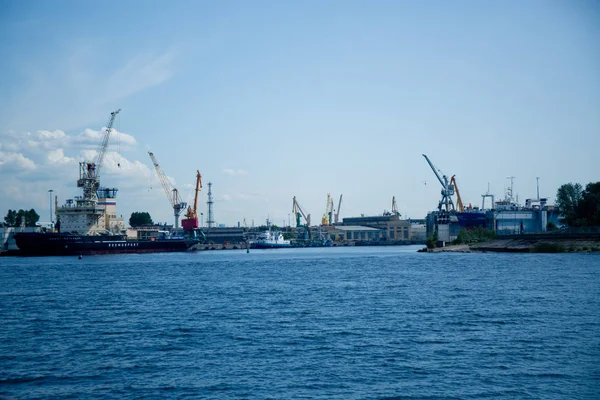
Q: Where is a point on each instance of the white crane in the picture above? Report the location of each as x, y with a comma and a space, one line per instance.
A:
447, 188
89, 171
171, 192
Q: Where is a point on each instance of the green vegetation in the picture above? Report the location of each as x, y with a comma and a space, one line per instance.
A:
579, 207
548, 248
432, 239
475, 235
140, 219
16, 218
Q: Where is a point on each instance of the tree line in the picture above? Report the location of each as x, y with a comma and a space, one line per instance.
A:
579, 207
16, 218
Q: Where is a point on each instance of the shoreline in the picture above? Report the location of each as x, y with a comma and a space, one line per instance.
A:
525, 245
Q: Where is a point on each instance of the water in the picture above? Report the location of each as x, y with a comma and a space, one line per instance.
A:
348, 323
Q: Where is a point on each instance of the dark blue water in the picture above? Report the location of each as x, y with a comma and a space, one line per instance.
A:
348, 323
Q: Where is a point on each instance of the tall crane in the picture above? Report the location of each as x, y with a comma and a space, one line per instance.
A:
171, 192
299, 212
395, 207
459, 202
337, 211
89, 171
191, 216
447, 188
327, 215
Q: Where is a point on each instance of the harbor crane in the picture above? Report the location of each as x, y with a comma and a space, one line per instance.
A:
191, 216
395, 207
89, 171
337, 211
447, 188
299, 212
171, 192
328, 214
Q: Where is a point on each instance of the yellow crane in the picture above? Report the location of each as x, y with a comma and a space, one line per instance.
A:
327, 215
459, 202
191, 216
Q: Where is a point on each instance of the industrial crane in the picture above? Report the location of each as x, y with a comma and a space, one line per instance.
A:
191, 216
337, 212
447, 188
395, 207
298, 212
328, 214
89, 172
172, 193
459, 202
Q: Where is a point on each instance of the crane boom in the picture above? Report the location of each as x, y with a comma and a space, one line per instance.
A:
172, 193
297, 210
435, 171
193, 212
104, 146
395, 207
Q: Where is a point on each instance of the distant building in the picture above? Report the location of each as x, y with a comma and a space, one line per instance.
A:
394, 227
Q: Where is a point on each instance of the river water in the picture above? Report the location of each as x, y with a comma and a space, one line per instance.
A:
347, 323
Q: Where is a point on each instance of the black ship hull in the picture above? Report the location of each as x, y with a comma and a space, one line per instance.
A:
55, 244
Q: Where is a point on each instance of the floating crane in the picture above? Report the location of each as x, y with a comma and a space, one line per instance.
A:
459, 202
171, 192
447, 188
191, 216
89, 172
337, 211
395, 207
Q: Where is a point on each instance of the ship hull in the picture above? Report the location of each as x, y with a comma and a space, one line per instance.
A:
258, 245
51, 244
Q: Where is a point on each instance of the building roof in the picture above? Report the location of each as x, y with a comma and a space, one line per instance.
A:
355, 228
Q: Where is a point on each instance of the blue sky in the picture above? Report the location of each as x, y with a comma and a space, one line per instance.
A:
271, 100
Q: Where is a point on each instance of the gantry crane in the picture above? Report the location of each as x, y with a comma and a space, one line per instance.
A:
171, 192
459, 202
191, 216
447, 188
89, 171
395, 207
337, 211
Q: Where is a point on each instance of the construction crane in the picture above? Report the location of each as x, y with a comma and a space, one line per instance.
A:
171, 192
337, 211
191, 216
447, 188
89, 172
459, 202
395, 207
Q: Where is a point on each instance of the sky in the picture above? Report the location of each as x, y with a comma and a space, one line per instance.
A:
275, 99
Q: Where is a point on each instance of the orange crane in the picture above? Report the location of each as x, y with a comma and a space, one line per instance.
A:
191, 216
459, 202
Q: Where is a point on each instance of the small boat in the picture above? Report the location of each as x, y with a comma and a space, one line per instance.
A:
270, 240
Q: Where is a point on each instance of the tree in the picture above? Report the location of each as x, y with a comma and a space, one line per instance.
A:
568, 197
588, 209
139, 219
16, 218
11, 218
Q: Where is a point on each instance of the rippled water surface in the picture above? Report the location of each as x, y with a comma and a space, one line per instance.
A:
301, 323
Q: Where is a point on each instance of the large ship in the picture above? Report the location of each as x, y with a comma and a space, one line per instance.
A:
61, 244
271, 240
89, 223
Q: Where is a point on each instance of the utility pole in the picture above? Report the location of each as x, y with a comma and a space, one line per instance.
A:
210, 202
537, 178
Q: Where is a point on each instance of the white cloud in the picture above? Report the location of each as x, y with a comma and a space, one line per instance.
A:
58, 157
234, 172
14, 162
226, 197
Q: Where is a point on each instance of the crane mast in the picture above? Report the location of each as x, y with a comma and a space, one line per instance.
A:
298, 211
172, 193
337, 212
89, 171
327, 215
447, 188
